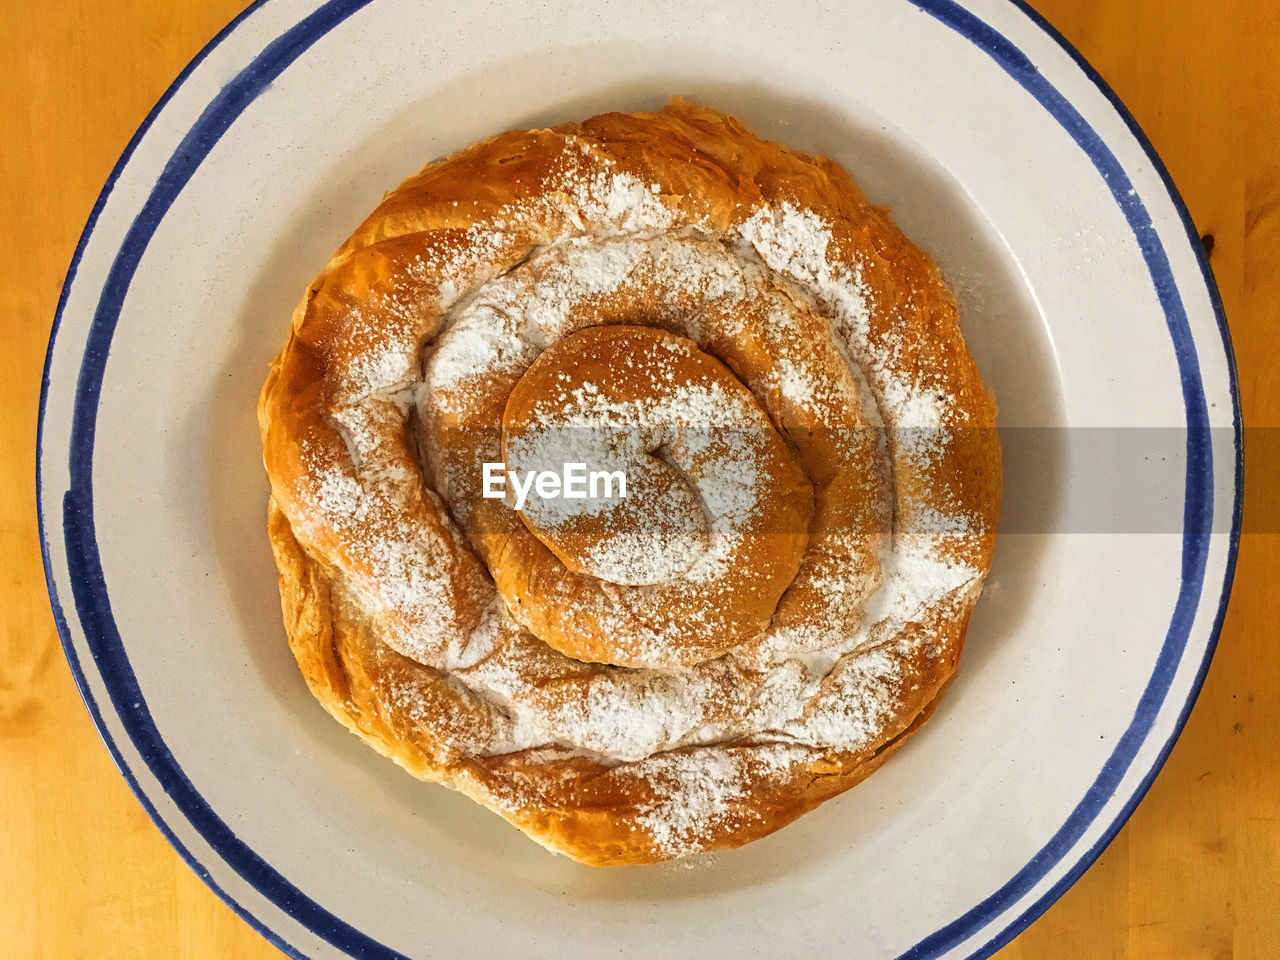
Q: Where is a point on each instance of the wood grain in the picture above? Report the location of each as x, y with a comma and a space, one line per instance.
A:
84, 874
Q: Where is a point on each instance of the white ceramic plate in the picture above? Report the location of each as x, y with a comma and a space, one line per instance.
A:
1084, 297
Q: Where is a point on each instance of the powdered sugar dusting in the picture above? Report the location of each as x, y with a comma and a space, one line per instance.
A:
700, 790
916, 576
700, 787
804, 685
636, 556
795, 243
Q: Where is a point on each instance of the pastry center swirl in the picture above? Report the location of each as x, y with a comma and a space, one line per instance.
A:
707, 478
590, 400
756, 494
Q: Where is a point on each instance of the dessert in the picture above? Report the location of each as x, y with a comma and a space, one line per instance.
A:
775, 372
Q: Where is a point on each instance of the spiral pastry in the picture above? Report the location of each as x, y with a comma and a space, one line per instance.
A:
813, 482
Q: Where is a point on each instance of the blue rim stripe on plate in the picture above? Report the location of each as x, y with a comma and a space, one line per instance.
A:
1237, 510
104, 641
82, 558
64, 634
1197, 507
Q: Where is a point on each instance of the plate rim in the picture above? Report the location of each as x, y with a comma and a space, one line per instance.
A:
341, 934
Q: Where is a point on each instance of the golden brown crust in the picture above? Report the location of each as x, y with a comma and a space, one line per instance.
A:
375, 308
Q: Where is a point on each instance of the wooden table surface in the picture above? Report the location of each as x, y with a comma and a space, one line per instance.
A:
1195, 875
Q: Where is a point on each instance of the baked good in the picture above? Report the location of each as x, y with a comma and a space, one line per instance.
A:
775, 606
